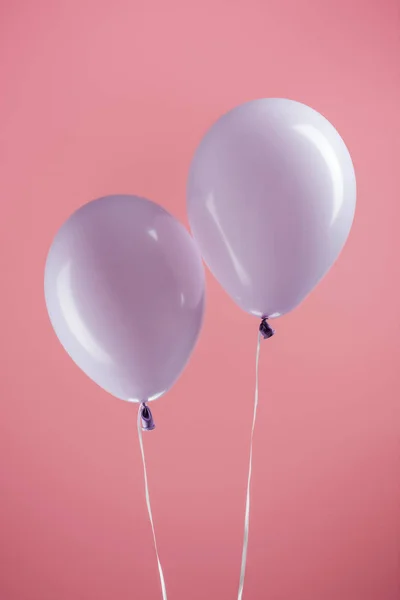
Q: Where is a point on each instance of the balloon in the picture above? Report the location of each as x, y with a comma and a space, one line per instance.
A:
124, 289
271, 198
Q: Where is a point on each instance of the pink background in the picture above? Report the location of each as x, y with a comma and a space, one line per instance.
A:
102, 96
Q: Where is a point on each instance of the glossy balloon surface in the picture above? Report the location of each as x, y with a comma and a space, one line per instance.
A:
124, 288
271, 198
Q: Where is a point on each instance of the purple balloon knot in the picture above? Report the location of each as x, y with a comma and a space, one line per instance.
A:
147, 418
265, 329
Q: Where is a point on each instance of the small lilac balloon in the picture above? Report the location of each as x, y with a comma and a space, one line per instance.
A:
124, 288
271, 198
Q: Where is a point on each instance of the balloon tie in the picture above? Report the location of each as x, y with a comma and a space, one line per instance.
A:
145, 422
265, 329
265, 332
146, 418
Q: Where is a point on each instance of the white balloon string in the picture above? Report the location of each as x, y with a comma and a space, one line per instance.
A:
247, 512
146, 486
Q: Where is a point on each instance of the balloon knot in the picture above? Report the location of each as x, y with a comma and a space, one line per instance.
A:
265, 329
147, 418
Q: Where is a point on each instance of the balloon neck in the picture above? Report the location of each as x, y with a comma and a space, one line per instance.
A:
265, 329
147, 418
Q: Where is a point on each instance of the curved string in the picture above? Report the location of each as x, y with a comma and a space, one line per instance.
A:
146, 486
247, 512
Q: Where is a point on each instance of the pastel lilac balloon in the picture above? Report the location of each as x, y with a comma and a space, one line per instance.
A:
271, 198
124, 288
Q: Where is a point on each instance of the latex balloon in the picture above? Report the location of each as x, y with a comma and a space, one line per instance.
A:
124, 288
271, 198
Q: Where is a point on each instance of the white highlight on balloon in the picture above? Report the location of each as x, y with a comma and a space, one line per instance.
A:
315, 136
240, 271
73, 319
153, 233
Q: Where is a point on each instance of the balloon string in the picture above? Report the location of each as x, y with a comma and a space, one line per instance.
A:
146, 486
247, 512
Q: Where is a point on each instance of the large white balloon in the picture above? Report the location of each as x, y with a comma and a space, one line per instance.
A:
271, 198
